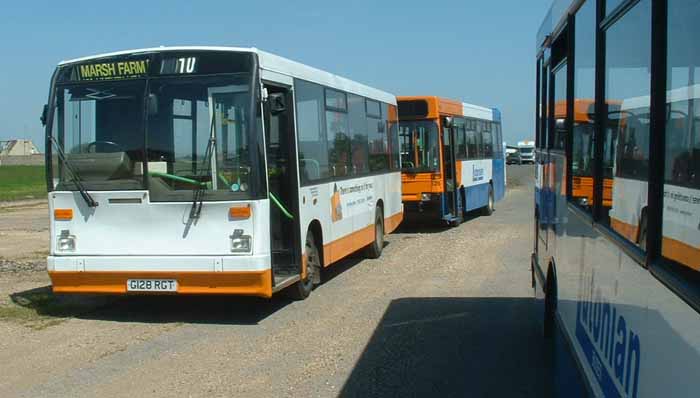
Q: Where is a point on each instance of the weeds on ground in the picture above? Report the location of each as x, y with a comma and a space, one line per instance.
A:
39, 308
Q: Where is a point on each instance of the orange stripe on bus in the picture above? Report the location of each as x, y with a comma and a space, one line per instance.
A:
582, 187
348, 244
458, 171
249, 283
393, 222
629, 231
681, 252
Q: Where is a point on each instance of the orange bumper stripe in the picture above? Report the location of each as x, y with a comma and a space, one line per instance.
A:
631, 232
253, 283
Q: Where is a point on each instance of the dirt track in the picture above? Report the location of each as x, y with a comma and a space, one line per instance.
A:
444, 312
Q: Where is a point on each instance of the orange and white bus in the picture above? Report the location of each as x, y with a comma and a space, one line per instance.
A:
213, 170
452, 157
582, 151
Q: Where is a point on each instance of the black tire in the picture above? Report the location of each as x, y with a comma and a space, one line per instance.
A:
643, 232
303, 288
550, 305
374, 250
490, 207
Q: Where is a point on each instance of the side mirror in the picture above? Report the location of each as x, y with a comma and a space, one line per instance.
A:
152, 104
278, 103
44, 114
448, 122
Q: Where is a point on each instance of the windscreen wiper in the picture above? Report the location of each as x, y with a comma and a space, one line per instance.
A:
198, 193
75, 177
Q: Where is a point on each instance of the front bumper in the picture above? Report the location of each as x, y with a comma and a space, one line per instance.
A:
251, 283
238, 275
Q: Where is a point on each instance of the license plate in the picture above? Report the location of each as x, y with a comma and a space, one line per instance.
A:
151, 285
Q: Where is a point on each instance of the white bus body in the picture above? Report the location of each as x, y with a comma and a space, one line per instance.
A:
130, 242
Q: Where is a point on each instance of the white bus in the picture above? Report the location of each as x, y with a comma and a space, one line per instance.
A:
213, 170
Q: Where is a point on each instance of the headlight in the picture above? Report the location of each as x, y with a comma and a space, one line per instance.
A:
425, 197
66, 242
240, 243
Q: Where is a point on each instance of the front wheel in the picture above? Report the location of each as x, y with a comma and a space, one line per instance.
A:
490, 206
302, 289
374, 250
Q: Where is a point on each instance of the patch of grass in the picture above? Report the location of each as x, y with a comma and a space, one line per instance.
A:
22, 182
31, 308
39, 308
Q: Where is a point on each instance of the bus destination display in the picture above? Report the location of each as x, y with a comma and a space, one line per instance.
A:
113, 70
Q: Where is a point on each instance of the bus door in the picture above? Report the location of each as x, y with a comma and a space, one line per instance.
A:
449, 171
283, 184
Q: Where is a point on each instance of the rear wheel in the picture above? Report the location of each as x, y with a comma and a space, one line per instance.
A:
490, 207
302, 289
643, 232
550, 303
374, 250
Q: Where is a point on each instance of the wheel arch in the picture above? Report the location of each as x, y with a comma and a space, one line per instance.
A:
316, 230
643, 214
552, 284
551, 299
380, 204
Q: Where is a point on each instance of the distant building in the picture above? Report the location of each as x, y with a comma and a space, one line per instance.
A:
18, 148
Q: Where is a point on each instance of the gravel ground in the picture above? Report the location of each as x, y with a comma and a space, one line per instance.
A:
444, 312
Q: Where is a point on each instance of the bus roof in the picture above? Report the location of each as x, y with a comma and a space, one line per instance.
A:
440, 105
480, 112
270, 62
554, 20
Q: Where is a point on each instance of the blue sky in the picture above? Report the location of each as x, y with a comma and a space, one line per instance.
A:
477, 51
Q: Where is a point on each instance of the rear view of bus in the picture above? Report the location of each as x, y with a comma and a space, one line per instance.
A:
176, 170
451, 157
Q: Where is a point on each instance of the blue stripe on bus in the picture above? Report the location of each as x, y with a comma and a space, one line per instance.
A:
477, 196
499, 190
496, 114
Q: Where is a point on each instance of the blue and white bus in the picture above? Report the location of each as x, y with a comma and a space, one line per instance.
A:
617, 271
452, 157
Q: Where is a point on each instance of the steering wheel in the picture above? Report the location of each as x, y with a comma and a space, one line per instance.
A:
91, 147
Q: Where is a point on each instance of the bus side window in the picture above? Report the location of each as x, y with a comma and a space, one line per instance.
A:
627, 90
461, 138
358, 132
487, 139
479, 139
393, 145
472, 145
583, 132
377, 137
681, 210
313, 153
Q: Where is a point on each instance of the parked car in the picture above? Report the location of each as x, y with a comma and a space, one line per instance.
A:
513, 156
